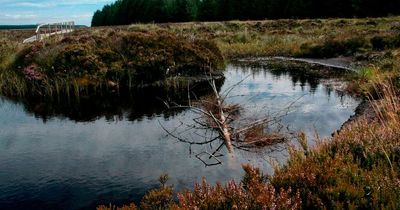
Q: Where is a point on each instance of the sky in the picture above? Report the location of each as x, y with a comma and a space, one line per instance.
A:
21, 12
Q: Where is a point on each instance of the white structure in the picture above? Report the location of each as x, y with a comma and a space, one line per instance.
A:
50, 29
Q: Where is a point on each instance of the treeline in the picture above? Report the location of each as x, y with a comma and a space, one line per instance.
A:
8, 27
124, 12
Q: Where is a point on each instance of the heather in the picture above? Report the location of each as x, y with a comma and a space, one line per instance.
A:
87, 61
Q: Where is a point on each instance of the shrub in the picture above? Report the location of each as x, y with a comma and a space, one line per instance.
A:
161, 198
253, 193
112, 207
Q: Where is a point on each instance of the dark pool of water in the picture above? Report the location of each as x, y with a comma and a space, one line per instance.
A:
69, 155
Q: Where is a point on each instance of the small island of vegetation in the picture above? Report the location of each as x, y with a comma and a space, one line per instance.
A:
90, 60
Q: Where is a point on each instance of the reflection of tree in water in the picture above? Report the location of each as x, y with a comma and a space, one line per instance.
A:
301, 74
329, 90
131, 105
149, 102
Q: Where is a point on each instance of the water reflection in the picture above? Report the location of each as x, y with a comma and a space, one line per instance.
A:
132, 106
65, 154
301, 74
314, 102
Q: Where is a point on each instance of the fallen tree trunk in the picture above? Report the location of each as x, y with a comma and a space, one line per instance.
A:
223, 125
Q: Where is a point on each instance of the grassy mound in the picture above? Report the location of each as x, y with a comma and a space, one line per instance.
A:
104, 58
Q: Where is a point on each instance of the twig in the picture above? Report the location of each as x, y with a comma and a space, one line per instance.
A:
184, 140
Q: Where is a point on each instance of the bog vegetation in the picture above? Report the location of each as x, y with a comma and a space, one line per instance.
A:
124, 12
88, 61
357, 168
134, 55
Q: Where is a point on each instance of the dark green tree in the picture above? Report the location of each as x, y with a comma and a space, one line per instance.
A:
124, 12
208, 10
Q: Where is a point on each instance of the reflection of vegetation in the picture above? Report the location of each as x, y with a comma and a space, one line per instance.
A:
358, 168
132, 105
300, 73
217, 121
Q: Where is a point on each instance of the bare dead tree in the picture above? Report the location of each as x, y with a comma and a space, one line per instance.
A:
216, 120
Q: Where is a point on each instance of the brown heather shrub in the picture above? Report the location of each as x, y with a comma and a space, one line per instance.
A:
112, 207
253, 193
161, 198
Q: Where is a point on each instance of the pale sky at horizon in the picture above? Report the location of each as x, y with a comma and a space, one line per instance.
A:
22, 12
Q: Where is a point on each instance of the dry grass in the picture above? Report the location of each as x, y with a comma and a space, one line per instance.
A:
285, 37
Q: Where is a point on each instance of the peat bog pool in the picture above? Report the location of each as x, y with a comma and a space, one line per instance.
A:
59, 155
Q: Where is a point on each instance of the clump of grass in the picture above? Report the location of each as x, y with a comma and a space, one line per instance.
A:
387, 107
366, 73
366, 78
10, 81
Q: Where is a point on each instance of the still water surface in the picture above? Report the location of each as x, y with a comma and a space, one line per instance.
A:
66, 156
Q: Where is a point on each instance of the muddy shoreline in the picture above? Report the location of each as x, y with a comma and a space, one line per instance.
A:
363, 111
343, 63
